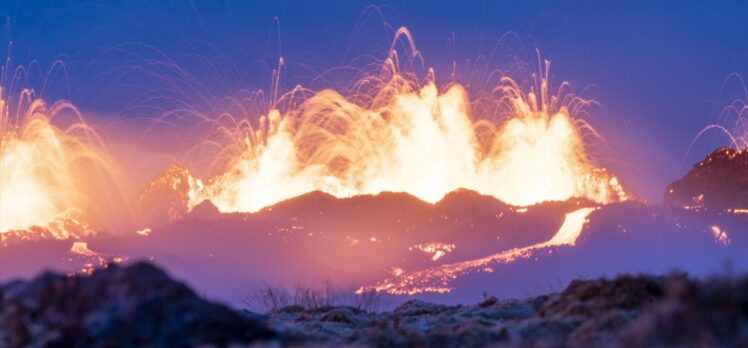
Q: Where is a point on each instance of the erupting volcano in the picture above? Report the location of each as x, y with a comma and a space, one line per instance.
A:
54, 181
408, 136
338, 185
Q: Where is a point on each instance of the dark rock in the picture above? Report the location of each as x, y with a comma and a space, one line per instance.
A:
343, 314
489, 302
509, 310
589, 297
205, 210
418, 307
290, 309
165, 199
133, 306
639, 310
711, 313
718, 182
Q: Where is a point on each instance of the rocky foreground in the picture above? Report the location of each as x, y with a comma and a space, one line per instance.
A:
140, 305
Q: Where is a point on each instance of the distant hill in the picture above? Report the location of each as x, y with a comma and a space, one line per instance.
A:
719, 182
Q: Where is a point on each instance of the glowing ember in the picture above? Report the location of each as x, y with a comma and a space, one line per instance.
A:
720, 236
437, 279
48, 174
397, 271
92, 259
81, 248
408, 136
435, 249
144, 232
736, 115
351, 241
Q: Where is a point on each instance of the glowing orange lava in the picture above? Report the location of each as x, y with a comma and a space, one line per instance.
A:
437, 279
414, 137
92, 259
720, 235
49, 177
435, 249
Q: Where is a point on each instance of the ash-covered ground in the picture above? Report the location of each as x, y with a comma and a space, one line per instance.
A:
140, 305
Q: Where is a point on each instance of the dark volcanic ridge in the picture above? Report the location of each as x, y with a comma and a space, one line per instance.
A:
366, 240
165, 200
717, 183
142, 306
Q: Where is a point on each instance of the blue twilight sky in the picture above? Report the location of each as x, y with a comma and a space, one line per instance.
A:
661, 70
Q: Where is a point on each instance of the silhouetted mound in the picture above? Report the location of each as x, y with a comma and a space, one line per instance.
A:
134, 306
205, 210
719, 182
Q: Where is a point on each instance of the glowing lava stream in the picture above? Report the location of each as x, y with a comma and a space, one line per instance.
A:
437, 279
408, 136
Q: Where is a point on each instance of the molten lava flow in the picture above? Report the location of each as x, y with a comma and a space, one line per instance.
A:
437, 279
435, 249
411, 137
720, 235
90, 259
81, 248
49, 177
571, 228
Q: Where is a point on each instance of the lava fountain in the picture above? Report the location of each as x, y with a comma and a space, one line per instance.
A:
407, 135
733, 120
61, 180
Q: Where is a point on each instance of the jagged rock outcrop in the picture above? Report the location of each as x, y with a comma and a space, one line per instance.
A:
165, 199
719, 182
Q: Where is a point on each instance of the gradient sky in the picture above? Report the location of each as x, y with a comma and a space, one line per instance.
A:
661, 70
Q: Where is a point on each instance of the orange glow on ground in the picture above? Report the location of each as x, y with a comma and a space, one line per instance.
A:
435, 249
437, 279
93, 259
